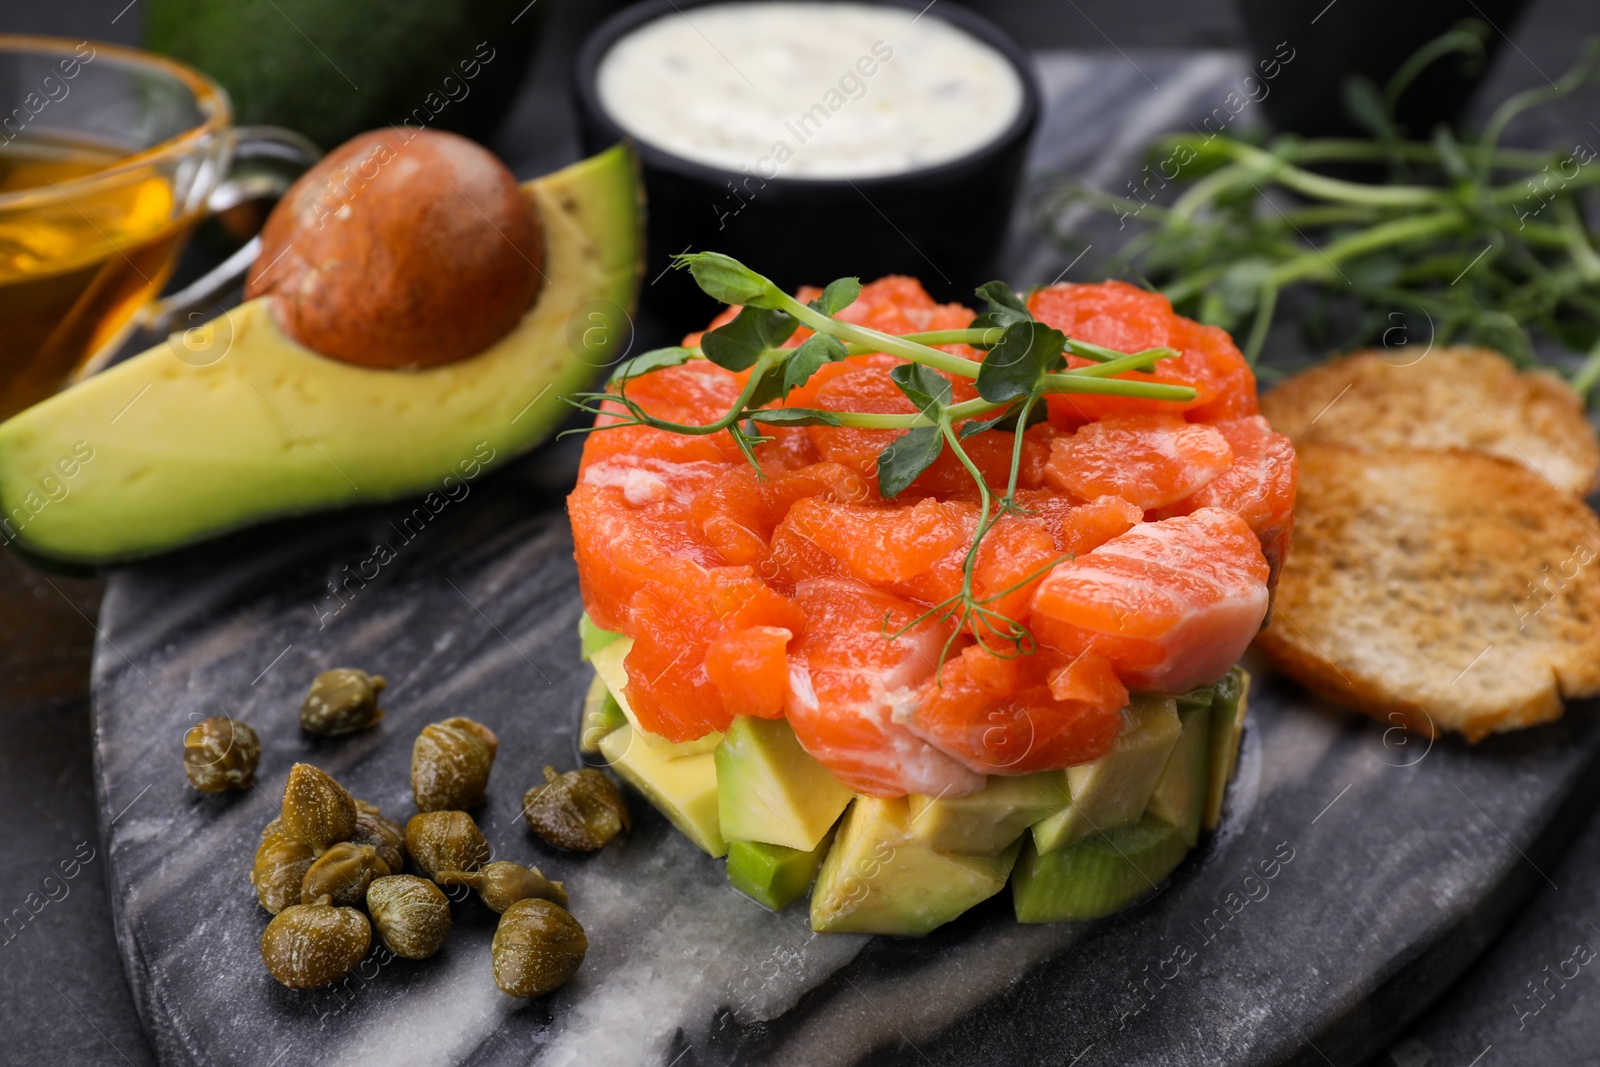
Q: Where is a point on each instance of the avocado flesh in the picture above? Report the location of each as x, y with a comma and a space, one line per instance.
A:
684, 789
1180, 794
183, 452
608, 665
987, 822
878, 880
1229, 707
592, 639
601, 715
770, 790
1113, 791
1096, 877
771, 875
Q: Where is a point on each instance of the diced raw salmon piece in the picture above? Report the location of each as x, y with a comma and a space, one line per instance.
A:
847, 676
1148, 460
1259, 487
1171, 604
1129, 319
1004, 715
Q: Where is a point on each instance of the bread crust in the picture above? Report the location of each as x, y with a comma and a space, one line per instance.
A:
1442, 590
1454, 397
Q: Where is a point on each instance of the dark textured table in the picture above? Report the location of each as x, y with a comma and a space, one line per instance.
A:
62, 996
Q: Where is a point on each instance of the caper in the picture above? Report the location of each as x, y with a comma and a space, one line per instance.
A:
220, 754
411, 915
446, 841
316, 809
341, 702
502, 884
537, 948
343, 874
450, 765
280, 869
311, 945
580, 810
473, 726
385, 835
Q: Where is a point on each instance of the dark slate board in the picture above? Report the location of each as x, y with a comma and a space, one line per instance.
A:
1406, 858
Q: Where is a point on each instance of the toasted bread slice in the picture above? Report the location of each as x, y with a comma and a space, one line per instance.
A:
1450, 398
1439, 590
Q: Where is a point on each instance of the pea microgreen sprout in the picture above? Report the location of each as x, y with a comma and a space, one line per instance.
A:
1025, 362
1490, 244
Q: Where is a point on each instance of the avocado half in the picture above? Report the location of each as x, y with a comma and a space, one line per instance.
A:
171, 447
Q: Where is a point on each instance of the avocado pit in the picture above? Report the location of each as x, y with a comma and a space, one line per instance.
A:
401, 249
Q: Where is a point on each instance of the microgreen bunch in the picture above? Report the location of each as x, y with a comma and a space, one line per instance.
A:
1485, 241
1025, 361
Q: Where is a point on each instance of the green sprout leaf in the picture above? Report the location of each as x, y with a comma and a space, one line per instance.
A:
817, 349
737, 345
646, 362
908, 456
840, 294
726, 279
926, 388
1027, 351
1005, 307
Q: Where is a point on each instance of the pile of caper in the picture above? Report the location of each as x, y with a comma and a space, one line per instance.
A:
330, 868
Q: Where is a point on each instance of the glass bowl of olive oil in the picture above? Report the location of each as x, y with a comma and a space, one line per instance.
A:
107, 158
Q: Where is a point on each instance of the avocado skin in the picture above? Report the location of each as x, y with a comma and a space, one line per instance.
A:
379, 63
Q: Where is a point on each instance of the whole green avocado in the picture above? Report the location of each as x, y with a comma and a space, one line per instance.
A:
333, 69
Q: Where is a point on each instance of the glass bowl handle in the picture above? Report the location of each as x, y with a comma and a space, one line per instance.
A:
275, 157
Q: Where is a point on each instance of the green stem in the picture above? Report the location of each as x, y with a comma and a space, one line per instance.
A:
977, 338
874, 341
1342, 150
1583, 381
1138, 361
868, 420
1318, 262
765, 362
1273, 168
1078, 383
1265, 306
1577, 235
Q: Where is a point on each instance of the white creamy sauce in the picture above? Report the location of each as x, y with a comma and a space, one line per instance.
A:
798, 89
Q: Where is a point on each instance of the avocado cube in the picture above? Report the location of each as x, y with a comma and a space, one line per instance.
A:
1228, 711
770, 790
1113, 791
878, 880
591, 638
601, 715
1200, 698
987, 822
1096, 877
1180, 794
771, 875
608, 664
683, 789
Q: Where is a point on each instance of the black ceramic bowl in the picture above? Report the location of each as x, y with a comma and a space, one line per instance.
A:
943, 224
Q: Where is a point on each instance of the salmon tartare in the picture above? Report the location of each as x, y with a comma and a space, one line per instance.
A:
957, 637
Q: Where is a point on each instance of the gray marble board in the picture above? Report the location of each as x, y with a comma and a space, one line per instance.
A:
1392, 862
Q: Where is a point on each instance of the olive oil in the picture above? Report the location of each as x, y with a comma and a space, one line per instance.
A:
76, 262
